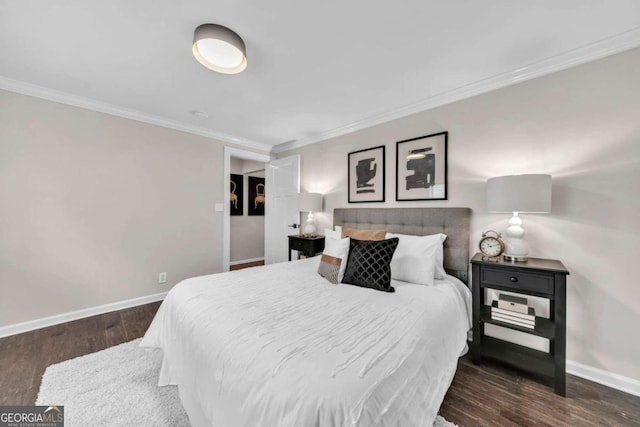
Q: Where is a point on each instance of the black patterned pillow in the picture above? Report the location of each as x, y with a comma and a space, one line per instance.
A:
369, 262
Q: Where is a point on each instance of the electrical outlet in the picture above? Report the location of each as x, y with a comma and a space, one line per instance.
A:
162, 278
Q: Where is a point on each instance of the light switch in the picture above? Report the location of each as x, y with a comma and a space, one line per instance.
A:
219, 207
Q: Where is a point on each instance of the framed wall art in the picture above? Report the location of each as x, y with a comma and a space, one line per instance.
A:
421, 168
366, 175
256, 196
236, 196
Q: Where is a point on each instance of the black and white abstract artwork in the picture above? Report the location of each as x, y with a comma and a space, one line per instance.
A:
421, 168
366, 175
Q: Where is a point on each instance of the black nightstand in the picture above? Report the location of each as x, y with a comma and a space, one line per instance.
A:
309, 246
544, 278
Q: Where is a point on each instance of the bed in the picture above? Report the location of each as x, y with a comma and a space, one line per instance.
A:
280, 346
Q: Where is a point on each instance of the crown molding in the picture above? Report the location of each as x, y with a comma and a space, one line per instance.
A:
36, 91
594, 51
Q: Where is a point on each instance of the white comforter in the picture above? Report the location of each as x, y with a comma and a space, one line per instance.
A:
281, 346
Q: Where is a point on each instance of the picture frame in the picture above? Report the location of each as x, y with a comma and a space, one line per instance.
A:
421, 168
366, 175
257, 198
236, 194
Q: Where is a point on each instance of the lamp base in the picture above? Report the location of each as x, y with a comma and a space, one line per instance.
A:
515, 258
517, 248
309, 227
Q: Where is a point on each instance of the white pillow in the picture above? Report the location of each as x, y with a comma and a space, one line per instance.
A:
330, 234
440, 272
417, 259
335, 250
338, 228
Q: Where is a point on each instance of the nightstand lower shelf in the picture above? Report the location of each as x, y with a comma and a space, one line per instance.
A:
544, 327
518, 356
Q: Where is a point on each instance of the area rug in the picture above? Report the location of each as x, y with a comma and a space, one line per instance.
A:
118, 387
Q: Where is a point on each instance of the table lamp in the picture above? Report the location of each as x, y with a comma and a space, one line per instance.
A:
310, 202
518, 194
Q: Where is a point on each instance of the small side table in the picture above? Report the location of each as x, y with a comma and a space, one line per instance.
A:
308, 245
545, 278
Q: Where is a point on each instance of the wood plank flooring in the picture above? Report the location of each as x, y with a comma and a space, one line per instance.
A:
24, 357
486, 395
246, 265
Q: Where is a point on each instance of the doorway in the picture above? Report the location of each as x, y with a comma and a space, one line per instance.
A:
243, 230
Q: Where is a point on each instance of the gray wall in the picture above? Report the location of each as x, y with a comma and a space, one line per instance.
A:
580, 125
246, 232
94, 206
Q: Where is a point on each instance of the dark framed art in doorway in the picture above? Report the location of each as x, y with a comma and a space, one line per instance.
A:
236, 195
257, 196
421, 168
366, 175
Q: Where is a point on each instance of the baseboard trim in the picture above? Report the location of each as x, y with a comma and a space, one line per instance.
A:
245, 261
44, 322
600, 376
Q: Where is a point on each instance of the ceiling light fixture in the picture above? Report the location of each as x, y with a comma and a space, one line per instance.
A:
219, 49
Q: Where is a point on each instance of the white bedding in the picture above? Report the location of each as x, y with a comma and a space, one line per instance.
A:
281, 346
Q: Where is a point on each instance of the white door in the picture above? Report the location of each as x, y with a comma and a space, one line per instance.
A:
282, 178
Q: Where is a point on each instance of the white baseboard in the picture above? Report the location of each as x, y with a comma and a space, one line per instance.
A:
246, 261
19, 328
600, 376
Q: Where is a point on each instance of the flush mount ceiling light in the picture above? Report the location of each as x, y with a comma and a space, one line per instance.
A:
219, 49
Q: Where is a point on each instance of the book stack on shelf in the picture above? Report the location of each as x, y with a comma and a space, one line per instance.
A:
513, 310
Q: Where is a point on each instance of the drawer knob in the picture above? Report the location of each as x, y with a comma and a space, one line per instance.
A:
513, 279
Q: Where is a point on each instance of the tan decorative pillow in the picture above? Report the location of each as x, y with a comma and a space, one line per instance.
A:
358, 234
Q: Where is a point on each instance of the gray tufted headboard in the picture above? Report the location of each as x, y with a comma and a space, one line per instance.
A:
454, 222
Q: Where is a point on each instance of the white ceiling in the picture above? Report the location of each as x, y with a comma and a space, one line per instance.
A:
313, 67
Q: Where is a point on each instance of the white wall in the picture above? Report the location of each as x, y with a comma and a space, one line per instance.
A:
93, 207
580, 125
246, 232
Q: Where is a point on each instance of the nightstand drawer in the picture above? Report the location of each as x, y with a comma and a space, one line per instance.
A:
300, 245
518, 280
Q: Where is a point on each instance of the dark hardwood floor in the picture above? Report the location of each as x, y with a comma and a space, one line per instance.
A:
24, 357
246, 265
485, 395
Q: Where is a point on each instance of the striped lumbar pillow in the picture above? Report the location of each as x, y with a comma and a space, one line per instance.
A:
334, 259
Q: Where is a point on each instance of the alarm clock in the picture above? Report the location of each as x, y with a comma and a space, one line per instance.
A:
491, 245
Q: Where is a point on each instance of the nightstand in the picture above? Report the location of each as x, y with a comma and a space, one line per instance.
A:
543, 278
309, 246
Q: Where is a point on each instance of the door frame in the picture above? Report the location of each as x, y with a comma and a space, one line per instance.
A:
226, 228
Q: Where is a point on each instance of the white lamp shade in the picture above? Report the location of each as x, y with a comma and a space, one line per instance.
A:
519, 193
310, 202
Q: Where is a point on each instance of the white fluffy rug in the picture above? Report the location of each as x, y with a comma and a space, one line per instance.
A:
117, 387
